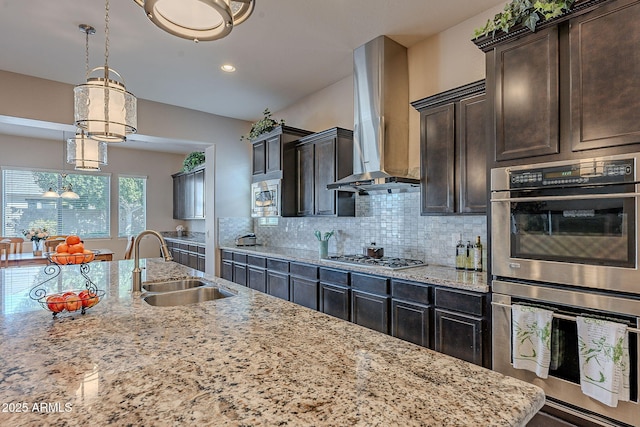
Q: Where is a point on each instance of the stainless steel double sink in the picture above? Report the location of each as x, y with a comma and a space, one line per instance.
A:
181, 292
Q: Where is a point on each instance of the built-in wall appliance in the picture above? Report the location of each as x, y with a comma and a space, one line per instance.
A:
266, 198
565, 236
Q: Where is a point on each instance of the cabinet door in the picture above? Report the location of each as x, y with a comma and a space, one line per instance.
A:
201, 262
605, 94
459, 335
227, 270
189, 186
437, 151
305, 187
278, 284
304, 292
274, 158
257, 279
179, 188
370, 311
198, 194
527, 96
240, 274
410, 322
334, 300
259, 157
472, 155
325, 173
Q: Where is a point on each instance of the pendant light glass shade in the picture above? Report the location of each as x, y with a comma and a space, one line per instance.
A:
104, 109
197, 20
68, 193
50, 194
86, 153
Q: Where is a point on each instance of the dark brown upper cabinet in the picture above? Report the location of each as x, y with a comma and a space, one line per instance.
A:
189, 194
321, 159
453, 151
268, 152
526, 97
605, 69
570, 90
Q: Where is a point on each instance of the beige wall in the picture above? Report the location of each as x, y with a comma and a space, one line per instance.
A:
49, 104
444, 61
157, 167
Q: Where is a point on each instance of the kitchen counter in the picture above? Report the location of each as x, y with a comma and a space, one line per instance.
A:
195, 238
431, 274
249, 359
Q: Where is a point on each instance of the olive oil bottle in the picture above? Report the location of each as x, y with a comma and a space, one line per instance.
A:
461, 255
477, 255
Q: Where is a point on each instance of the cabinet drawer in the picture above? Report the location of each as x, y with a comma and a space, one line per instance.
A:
303, 270
201, 250
336, 277
373, 284
193, 248
242, 258
227, 255
411, 291
258, 261
183, 246
463, 302
278, 265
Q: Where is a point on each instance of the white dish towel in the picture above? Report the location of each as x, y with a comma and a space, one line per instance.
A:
604, 360
531, 338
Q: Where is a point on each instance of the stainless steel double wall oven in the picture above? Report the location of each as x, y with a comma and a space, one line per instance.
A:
565, 235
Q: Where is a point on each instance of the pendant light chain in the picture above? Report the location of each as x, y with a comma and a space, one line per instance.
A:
106, 65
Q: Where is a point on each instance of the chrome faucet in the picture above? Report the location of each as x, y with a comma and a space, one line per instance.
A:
137, 272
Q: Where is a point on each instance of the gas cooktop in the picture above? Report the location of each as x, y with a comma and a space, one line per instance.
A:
385, 262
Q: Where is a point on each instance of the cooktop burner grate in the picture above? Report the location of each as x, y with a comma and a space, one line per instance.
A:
385, 262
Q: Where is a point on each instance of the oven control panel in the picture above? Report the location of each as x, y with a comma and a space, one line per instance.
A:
575, 174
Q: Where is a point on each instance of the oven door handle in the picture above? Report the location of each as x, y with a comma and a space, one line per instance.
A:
572, 197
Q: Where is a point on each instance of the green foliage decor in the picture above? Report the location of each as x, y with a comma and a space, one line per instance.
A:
525, 12
264, 125
192, 160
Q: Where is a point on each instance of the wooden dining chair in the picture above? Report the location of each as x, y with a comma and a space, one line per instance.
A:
5, 247
129, 251
50, 244
15, 244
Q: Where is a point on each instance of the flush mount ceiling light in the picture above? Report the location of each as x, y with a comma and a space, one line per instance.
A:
87, 154
103, 107
228, 68
197, 20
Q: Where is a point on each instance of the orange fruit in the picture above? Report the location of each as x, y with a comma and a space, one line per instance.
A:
76, 248
62, 247
72, 240
61, 258
88, 255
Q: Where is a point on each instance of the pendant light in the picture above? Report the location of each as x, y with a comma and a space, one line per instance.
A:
67, 190
103, 107
197, 20
87, 154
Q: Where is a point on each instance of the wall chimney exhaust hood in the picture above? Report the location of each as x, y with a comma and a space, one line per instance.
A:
381, 116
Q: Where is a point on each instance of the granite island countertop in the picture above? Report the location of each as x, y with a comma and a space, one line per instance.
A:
431, 274
249, 359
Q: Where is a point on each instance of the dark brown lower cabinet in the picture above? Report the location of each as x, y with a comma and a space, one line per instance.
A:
304, 292
461, 325
257, 278
190, 255
227, 270
459, 336
240, 274
334, 300
410, 322
278, 284
370, 311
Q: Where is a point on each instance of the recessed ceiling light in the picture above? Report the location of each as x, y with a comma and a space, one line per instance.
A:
228, 68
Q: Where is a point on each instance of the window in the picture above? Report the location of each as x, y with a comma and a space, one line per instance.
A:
132, 216
23, 206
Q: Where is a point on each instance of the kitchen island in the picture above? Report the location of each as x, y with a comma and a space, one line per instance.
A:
249, 359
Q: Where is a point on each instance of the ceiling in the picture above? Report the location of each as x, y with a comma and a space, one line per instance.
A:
285, 51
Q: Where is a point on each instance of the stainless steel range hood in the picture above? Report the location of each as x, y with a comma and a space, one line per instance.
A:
381, 115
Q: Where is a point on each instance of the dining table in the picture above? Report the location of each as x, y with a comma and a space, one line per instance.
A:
28, 259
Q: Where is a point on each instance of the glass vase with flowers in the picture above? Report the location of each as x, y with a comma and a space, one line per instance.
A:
37, 237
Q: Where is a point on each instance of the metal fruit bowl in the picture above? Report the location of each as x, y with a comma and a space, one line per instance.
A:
71, 301
64, 259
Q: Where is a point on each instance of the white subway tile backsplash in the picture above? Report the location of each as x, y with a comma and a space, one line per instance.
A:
392, 221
